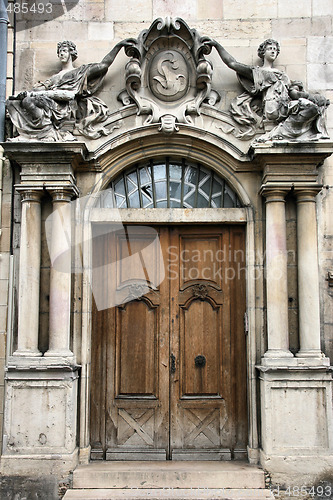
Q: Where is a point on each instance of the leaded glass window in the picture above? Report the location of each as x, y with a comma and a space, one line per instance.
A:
169, 184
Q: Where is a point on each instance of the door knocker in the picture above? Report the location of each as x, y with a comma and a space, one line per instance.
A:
200, 361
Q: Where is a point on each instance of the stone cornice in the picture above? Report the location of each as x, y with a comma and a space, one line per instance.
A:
321, 148
292, 166
46, 165
46, 153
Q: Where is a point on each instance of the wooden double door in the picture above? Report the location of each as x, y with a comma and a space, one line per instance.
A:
168, 372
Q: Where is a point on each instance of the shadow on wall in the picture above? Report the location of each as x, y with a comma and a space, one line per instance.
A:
36, 13
25, 488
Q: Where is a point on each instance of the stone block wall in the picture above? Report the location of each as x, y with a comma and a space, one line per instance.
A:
304, 29
5, 273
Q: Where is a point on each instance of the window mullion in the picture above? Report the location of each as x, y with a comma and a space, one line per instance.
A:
211, 189
195, 204
153, 183
139, 186
222, 194
182, 184
168, 182
126, 191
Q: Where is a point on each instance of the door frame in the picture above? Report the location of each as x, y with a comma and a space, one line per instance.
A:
169, 217
170, 401
90, 215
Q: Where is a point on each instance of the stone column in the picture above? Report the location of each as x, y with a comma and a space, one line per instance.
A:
308, 281
29, 276
60, 275
276, 276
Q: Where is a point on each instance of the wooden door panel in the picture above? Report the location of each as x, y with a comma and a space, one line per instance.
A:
135, 373
197, 258
138, 257
202, 429
140, 409
206, 398
136, 350
199, 378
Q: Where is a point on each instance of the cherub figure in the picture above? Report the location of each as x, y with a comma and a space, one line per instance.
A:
273, 102
65, 103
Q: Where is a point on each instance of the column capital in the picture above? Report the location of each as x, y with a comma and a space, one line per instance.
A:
306, 195
61, 194
29, 194
274, 194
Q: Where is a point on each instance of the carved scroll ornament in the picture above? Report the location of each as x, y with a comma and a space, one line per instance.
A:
168, 76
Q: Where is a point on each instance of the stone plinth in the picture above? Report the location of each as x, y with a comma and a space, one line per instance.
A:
297, 431
40, 417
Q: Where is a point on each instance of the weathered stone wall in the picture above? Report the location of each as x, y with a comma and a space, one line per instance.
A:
304, 29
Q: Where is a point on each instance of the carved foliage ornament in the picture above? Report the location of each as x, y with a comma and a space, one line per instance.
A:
200, 291
168, 76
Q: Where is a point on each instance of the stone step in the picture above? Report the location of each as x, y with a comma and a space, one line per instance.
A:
169, 474
169, 494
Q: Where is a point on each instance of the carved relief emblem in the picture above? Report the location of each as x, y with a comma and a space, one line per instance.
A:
168, 66
168, 75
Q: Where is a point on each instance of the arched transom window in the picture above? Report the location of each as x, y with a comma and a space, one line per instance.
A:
169, 184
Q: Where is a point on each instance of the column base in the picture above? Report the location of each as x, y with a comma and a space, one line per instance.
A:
59, 353
48, 394
36, 465
84, 455
310, 353
253, 455
278, 353
26, 353
295, 362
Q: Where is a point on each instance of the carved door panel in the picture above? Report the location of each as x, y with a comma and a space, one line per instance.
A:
130, 369
208, 387
168, 363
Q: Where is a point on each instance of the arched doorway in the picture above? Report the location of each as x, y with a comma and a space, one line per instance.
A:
168, 377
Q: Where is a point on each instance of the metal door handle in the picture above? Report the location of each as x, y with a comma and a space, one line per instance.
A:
200, 360
172, 363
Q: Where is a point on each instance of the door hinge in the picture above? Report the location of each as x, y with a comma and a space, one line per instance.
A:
246, 324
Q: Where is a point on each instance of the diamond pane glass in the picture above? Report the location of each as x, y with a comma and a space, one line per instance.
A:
134, 200
159, 172
175, 190
175, 172
169, 184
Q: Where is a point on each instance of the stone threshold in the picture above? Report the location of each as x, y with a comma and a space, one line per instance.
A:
170, 494
168, 474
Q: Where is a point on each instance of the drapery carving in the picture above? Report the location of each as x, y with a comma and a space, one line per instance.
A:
169, 79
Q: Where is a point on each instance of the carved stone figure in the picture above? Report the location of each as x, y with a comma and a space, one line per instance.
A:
272, 102
64, 105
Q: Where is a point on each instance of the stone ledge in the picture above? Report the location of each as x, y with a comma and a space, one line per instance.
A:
36, 466
41, 364
295, 364
29, 148
169, 493
324, 147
